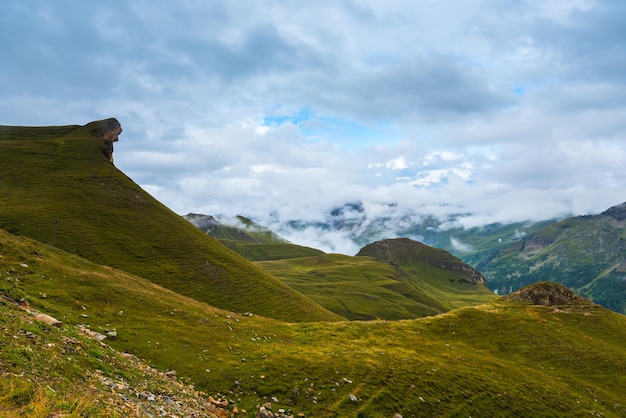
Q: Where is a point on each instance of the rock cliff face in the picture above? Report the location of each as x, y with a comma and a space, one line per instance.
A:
406, 251
108, 130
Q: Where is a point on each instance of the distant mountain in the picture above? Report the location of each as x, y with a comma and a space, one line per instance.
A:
357, 228
585, 253
238, 228
249, 239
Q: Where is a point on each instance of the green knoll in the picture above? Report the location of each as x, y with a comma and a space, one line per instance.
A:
58, 186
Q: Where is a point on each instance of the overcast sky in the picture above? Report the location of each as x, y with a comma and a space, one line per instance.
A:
499, 110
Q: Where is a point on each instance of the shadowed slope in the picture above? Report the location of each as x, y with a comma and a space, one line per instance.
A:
58, 187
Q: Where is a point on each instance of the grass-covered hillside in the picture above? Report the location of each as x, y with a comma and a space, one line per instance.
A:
59, 186
406, 280
558, 357
585, 253
409, 280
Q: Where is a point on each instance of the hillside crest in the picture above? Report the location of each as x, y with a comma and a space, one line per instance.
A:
400, 251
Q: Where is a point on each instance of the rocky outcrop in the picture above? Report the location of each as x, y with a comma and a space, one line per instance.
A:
108, 130
617, 212
548, 294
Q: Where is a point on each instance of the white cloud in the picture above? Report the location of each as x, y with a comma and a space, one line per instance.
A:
502, 112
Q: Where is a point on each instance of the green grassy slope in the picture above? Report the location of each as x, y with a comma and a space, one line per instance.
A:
58, 187
271, 251
358, 288
504, 358
585, 253
362, 288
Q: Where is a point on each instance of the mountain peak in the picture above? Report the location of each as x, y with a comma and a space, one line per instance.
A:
548, 294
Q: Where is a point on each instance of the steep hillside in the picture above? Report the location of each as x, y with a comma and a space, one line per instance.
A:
585, 253
59, 187
510, 357
390, 279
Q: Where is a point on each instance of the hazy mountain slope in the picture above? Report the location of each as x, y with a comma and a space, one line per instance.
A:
238, 228
391, 279
585, 253
565, 357
351, 225
249, 239
57, 186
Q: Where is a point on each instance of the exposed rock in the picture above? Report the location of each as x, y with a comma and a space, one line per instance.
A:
92, 334
47, 319
548, 294
108, 130
617, 212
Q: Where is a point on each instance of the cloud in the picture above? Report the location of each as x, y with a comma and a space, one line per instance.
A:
481, 113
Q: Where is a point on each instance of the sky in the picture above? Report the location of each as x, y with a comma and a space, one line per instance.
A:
485, 111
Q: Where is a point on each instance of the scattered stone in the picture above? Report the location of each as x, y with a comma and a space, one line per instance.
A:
353, 398
92, 334
47, 319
